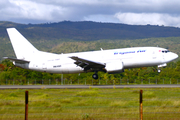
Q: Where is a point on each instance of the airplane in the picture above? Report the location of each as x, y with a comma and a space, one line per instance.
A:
110, 61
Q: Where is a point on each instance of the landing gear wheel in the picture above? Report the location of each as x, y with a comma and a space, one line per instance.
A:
95, 76
159, 70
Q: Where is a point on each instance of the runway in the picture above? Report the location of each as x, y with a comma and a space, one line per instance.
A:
84, 86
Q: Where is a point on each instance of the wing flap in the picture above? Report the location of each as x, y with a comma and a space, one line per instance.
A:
87, 64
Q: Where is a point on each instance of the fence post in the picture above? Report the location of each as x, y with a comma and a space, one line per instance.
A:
149, 81
163, 81
156, 81
170, 81
61, 79
177, 81
141, 105
26, 105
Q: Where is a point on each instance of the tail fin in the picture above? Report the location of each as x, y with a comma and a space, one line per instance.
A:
22, 47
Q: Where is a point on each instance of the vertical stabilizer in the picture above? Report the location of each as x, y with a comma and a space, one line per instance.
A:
22, 47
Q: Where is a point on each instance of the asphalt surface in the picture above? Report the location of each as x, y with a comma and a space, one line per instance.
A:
84, 86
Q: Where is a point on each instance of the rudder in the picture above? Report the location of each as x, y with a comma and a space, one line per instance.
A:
22, 47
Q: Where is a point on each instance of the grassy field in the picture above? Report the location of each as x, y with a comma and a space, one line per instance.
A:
88, 104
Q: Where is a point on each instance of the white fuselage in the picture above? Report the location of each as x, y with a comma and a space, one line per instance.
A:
130, 58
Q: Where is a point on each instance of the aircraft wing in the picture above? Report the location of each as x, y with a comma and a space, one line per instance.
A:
17, 60
87, 64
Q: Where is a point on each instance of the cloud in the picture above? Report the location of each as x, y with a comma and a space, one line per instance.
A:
148, 18
102, 18
31, 10
154, 12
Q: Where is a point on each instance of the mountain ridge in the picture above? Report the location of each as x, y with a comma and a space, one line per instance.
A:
89, 31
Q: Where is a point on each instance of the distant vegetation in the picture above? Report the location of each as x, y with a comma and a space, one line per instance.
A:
169, 75
89, 31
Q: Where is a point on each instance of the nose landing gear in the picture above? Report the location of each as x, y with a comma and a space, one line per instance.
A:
95, 76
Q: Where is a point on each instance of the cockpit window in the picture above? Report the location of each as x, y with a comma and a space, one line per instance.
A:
165, 51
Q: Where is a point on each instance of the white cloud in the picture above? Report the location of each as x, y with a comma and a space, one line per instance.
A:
148, 18
140, 12
31, 10
101, 18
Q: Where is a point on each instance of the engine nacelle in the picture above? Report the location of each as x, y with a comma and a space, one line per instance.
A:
114, 67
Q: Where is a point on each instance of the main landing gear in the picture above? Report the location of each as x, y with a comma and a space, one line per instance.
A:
95, 75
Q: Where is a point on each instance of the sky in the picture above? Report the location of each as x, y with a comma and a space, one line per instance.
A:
133, 12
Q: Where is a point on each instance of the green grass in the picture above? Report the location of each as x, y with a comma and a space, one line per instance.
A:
88, 104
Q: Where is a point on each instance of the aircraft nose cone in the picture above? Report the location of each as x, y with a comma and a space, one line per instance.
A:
175, 56
170, 57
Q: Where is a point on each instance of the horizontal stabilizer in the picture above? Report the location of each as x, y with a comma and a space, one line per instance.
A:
17, 60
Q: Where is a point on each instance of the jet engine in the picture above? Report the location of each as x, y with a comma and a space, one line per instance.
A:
115, 66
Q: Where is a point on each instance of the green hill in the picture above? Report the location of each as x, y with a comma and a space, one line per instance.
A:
89, 31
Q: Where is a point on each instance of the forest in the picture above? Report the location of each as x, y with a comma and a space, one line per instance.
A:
168, 75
